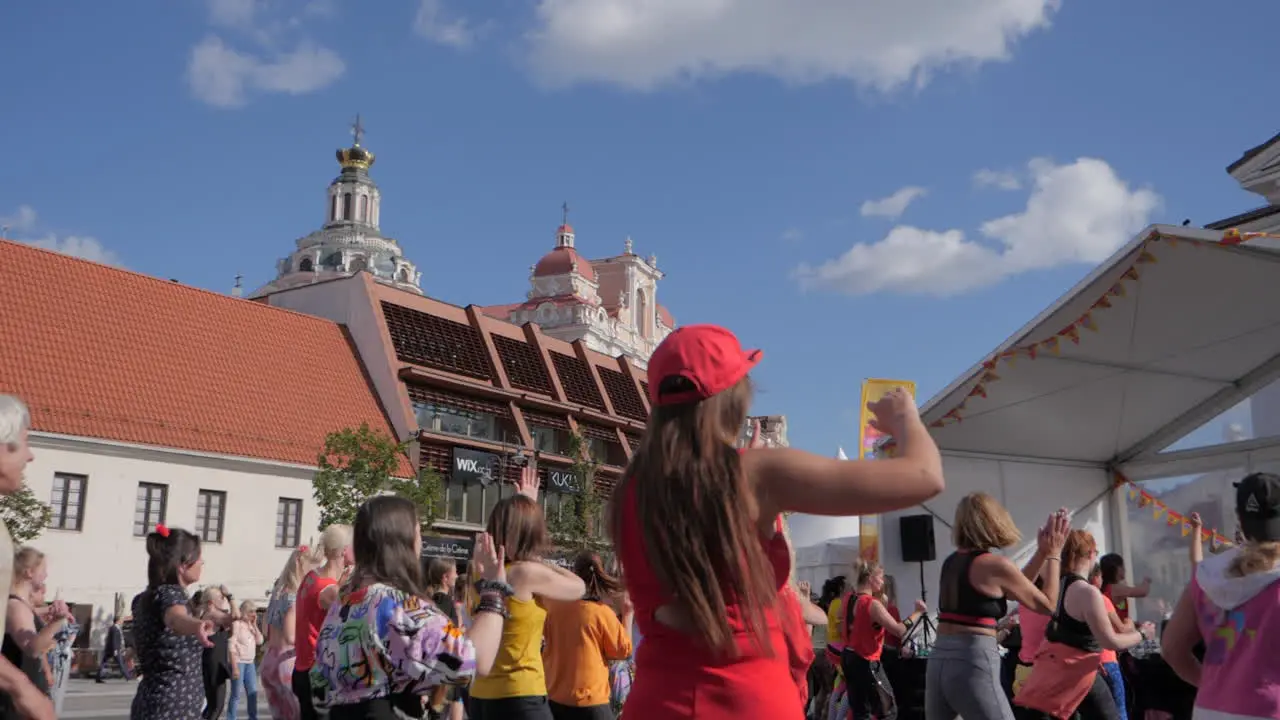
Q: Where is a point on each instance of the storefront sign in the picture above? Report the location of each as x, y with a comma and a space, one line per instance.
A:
471, 466
563, 481
447, 547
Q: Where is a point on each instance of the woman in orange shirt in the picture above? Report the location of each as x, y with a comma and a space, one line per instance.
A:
582, 638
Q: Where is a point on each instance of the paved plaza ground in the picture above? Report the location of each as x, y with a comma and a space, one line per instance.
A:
87, 700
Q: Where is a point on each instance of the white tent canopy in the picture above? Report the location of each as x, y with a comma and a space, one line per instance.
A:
1174, 329
1197, 331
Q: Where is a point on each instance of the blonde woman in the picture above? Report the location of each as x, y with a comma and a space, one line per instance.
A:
28, 636
245, 639
319, 590
276, 672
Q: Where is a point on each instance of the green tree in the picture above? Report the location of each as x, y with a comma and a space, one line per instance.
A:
24, 515
579, 523
361, 463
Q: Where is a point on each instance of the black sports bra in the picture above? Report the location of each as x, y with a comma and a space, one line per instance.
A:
959, 602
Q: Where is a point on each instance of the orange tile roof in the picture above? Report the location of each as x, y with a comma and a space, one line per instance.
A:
106, 353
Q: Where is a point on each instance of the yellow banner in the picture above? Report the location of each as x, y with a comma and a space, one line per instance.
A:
868, 436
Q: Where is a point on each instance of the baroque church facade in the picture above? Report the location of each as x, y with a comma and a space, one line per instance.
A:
610, 304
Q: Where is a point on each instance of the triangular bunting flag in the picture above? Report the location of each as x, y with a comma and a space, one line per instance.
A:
1103, 302
1052, 345
1131, 273
1086, 322
1146, 257
1117, 290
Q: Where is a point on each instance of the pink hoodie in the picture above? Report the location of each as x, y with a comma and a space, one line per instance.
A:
1239, 619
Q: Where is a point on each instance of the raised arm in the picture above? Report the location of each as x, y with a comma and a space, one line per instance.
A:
27, 699
546, 580
1196, 549
792, 480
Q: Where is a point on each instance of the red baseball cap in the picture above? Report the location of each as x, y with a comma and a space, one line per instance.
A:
708, 356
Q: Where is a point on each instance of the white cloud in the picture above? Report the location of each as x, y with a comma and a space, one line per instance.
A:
643, 44
1077, 213
894, 205
433, 23
792, 235
224, 77
24, 220
233, 13
999, 179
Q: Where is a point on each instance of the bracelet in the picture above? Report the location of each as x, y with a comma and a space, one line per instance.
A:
1053, 557
908, 623
490, 603
487, 586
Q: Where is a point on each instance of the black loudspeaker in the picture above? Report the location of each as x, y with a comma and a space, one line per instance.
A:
917, 538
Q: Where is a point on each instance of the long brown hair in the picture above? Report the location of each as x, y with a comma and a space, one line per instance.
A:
384, 540
518, 526
600, 584
697, 513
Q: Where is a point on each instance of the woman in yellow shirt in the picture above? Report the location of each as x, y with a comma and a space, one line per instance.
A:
833, 591
516, 687
582, 638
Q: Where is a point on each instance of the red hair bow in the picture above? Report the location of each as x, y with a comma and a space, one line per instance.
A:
161, 530
303, 549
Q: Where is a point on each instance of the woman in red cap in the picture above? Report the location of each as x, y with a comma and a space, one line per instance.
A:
694, 523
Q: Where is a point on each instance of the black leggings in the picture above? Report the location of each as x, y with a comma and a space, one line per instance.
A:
574, 712
531, 707
867, 687
306, 697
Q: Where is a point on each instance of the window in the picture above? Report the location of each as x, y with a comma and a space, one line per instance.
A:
346, 207
149, 511
455, 421
67, 502
211, 506
549, 440
288, 522
472, 502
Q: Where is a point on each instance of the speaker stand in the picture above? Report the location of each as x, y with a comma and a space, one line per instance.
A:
927, 629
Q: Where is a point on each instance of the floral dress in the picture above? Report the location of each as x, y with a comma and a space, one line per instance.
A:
384, 650
277, 662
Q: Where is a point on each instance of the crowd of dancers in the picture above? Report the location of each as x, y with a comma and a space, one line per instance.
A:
355, 630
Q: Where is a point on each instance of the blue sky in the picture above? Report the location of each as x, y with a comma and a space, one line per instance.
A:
740, 141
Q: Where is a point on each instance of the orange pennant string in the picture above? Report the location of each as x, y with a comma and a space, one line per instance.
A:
1086, 322
1103, 302
1131, 273
1145, 257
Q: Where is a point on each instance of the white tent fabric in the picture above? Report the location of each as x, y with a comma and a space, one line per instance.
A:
1195, 333
816, 563
1174, 329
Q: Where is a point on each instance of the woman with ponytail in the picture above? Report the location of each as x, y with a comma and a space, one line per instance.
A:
318, 590
582, 638
168, 637
277, 661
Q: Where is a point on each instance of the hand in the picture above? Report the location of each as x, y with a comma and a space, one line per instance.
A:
625, 604
1147, 630
1053, 535
893, 411
60, 609
1127, 625
757, 436
488, 563
1146, 584
33, 704
921, 607
1196, 522
527, 485
805, 589
206, 629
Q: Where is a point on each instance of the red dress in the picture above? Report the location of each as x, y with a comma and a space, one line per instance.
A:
678, 677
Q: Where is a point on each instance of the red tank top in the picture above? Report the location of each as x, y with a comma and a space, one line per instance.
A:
862, 636
677, 677
1122, 605
308, 617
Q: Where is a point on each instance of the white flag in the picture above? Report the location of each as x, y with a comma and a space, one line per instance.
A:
840, 454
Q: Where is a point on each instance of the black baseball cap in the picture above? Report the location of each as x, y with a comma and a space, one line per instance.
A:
1258, 506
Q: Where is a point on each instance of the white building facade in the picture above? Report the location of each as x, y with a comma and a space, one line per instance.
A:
106, 496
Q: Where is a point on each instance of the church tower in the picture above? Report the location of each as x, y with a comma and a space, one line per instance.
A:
350, 240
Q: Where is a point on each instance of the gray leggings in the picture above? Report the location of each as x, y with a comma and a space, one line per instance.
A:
963, 678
